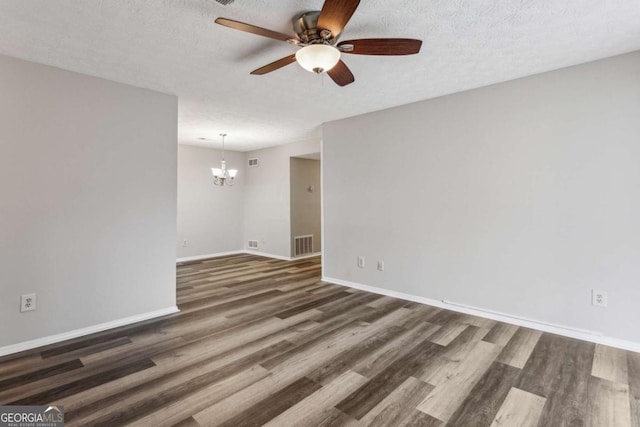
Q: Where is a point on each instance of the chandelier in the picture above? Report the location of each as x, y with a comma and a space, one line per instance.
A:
222, 175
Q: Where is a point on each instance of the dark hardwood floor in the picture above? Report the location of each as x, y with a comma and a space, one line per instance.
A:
262, 341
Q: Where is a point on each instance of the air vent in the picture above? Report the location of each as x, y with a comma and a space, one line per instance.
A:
253, 163
224, 2
303, 245
253, 244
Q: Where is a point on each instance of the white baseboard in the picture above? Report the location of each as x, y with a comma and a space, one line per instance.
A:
315, 254
51, 339
246, 251
258, 253
284, 258
207, 256
581, 334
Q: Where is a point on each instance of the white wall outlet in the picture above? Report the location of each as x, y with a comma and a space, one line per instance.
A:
184, 243
27, 302
380, 265
361, 262
599, 298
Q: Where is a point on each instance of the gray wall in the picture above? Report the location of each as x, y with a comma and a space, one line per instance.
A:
210, 217
87, 200
267, 214
306, 206
519, 197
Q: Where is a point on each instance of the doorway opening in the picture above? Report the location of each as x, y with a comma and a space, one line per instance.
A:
306, 207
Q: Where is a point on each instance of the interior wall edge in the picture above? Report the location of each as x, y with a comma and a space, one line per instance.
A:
249, 252
76, 333
284, 258
207, 256
564, 330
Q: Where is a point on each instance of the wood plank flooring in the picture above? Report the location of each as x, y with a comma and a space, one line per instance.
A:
264, 342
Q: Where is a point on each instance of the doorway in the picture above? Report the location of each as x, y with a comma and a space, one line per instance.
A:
306, 208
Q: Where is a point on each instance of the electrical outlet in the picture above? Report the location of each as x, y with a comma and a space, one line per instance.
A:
599, 298
184, 242
380, 265
361, 262
27, 302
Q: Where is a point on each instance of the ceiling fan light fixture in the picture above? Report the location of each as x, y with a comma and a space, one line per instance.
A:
318, 58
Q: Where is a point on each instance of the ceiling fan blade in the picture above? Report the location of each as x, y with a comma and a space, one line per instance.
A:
335, 14
381, 46
275, 65
341, 74
236, 25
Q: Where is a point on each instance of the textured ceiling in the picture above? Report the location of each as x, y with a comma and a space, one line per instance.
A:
174, 46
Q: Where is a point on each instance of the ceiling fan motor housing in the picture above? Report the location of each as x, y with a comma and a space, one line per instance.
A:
306, 27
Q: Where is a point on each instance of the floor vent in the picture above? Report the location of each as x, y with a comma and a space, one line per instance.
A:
253, 244
303, 245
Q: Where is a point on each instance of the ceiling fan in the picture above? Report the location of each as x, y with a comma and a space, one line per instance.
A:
317, 36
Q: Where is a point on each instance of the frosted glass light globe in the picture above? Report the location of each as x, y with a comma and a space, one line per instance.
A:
318, 58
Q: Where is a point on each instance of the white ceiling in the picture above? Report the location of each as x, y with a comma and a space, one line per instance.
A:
174, 46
